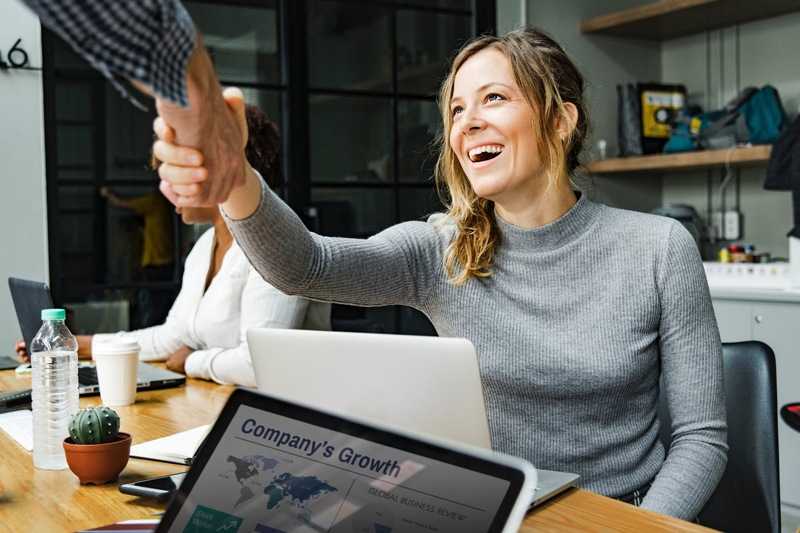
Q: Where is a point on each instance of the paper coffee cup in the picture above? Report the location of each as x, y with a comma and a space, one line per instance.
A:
117, 361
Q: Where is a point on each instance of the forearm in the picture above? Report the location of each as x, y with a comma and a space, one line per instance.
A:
391, 268
694, 465
244, 199
116, 201
203, 89
156, 342
225, 366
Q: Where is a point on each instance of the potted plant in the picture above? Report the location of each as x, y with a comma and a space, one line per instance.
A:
96, 450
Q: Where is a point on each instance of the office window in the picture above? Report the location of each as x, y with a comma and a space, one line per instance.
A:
374, 122
351, 84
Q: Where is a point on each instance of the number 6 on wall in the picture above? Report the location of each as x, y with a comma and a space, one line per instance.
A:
14, 58
15, 52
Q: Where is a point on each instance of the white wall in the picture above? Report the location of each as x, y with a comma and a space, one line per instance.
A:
604, 62
23, 211
707, 64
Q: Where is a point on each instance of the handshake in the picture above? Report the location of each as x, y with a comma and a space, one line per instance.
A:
201, 153
201, 148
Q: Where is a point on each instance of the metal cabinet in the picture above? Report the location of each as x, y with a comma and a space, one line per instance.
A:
776, 324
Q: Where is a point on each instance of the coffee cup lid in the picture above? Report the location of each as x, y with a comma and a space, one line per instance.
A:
113, 344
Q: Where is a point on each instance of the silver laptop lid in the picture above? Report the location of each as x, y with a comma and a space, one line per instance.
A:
425, 385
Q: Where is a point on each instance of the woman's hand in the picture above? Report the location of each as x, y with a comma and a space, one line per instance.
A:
22, 352
84, 348
177, 360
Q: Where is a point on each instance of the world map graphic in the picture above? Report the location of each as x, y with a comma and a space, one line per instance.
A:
256, 474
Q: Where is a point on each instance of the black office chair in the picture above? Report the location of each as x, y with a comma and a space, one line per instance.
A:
748, 495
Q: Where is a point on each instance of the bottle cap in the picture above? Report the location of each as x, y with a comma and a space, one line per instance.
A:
54, 314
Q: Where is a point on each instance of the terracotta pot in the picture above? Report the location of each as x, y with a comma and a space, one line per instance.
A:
98, 463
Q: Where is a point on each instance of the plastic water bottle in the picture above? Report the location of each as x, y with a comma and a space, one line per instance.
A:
54, 357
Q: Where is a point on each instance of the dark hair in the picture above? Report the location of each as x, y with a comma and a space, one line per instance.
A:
263, 145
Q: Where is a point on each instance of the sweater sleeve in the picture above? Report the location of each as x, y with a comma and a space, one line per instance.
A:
394, 267
691, 366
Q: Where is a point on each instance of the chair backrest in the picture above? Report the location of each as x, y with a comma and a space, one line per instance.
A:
748, 496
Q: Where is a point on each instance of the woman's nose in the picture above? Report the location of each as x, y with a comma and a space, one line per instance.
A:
473, 122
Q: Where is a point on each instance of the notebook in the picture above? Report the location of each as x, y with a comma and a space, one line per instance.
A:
178, 448
127, 526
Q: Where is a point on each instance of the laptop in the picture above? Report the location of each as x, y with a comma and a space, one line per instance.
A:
421, 385
270, 466
30, 297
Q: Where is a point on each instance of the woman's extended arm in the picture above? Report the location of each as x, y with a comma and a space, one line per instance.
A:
691, 366
396, 266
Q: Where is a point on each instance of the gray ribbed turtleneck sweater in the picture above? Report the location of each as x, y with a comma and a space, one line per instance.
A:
573, 329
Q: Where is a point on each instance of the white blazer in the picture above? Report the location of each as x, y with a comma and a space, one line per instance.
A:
214, 323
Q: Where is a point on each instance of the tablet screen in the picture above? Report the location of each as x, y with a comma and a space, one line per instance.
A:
269, 473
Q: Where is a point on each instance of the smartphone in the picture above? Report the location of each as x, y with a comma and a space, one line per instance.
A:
159, 488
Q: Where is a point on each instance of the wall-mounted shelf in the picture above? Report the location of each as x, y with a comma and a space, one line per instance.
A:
667, 19
735, 157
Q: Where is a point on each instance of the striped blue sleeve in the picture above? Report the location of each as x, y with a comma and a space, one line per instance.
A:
144, 40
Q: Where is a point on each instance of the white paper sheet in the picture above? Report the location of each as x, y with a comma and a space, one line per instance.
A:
19, 426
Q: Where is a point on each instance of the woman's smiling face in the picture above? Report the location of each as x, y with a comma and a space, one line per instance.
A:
493, 128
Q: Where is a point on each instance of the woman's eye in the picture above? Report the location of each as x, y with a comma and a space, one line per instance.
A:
456, 110
491, 97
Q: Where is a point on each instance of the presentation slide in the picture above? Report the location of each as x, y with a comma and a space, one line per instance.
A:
272, 474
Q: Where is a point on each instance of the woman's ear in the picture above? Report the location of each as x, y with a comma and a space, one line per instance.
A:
567, 120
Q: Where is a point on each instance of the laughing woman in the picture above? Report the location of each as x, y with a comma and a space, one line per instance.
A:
578, 311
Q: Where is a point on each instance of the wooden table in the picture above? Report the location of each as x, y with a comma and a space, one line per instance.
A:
39, 500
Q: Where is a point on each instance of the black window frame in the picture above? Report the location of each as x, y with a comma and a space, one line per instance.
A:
296, 179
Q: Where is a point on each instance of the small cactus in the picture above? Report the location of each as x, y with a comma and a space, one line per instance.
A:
94, 425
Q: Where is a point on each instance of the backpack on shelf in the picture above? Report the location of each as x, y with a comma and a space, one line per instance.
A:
754, 116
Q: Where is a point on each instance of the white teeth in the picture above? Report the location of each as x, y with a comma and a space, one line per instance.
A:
489, 148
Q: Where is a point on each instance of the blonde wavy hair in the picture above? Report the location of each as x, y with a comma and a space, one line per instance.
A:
548, 79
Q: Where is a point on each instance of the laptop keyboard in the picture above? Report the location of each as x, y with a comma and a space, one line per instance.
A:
87, 375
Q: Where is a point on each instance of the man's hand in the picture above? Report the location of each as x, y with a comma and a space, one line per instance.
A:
177, 163
177, 360
210, 126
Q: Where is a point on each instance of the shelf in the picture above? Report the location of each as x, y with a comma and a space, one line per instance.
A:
667, 19
736, 157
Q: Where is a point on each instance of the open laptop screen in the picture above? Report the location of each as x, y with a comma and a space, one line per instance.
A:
269, 466
29, 298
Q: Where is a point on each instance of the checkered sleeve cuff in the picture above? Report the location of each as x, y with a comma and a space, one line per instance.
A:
150, 41
170, 57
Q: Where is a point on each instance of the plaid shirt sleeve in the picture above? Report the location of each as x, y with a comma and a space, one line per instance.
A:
145, 40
